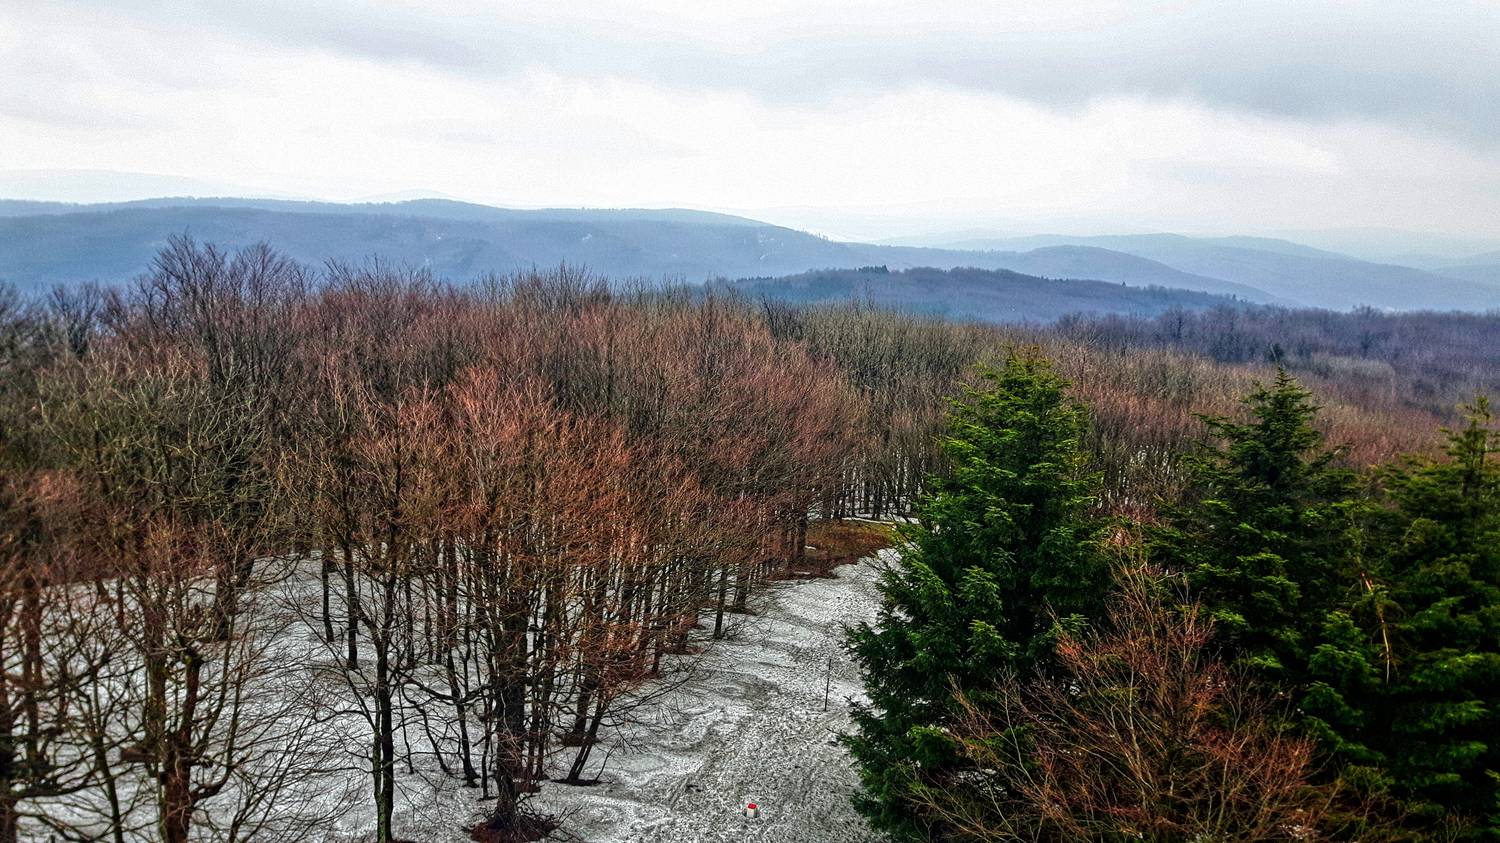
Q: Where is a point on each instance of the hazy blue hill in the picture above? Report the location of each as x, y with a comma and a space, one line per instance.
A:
455, 242
1291, 272
112, 246
1106, 264
1135, 243
44, 243
1332, 282
1273, 244
47, 243
27, 207
972, 294
1484, 273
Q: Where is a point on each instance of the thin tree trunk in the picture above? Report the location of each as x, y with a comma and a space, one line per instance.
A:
719, 604
327, 572
351, 606
385, 746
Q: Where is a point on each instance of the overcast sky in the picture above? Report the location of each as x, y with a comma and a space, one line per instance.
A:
856, 118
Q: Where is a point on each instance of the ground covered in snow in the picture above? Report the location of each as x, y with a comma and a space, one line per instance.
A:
749, 724
742, 720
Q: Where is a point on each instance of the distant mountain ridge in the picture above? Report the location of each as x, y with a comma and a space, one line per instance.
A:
49, 243
1486, 273
46, 243
1069, 261
974, 295
1130, 243
1287, 271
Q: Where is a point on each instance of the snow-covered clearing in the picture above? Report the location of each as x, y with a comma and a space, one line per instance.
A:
740, 720
747, 723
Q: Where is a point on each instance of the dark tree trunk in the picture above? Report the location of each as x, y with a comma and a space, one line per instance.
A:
327, 573
351, 607
385, 744
575, 771
719, 603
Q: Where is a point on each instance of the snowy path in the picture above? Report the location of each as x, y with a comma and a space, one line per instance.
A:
748, 724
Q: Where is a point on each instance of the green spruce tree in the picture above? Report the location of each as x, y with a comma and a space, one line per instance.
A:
1444, 563
1272, 536
1005, 548
1263, 531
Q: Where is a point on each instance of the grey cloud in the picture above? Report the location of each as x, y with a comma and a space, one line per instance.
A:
1433, 66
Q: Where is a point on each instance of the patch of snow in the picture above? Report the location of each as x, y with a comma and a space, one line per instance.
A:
749, 725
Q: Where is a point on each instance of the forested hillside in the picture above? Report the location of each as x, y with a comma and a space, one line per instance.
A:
1429, 360
978, 295
48, 243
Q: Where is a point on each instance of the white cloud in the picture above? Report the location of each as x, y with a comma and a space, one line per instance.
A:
870, 110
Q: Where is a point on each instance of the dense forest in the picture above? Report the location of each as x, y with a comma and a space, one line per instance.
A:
1430, 360
499, 508
1290, 649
